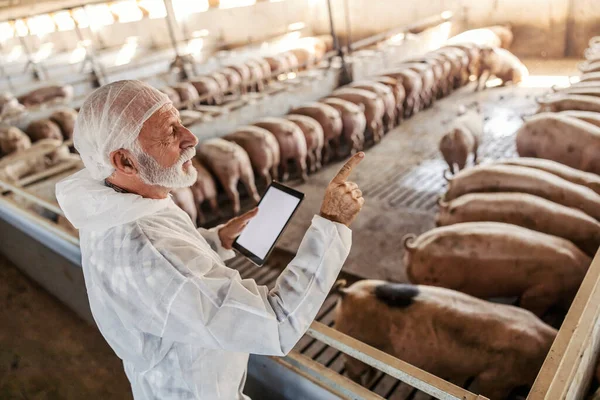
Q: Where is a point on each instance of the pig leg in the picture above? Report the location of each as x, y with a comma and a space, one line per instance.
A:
326, 152
475, 149
493, 384
284, 170
233, 195
274, 172
538, 299
214, 206
310, 162
301, 165
356, 369
248, 181
266, 175
485, 75
318, 154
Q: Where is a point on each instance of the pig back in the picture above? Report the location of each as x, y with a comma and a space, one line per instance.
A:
187, 90
328, 117
543, 136
259, 143
243, 71
222, 82
397, 88
224, 158
353, 117
374, 107
65, 119
172, 94
397, 319
12, 140
205, 87
411, 80
43, 129
204, 181
234, 80
381, 90
472, 257
313, 132
289, 137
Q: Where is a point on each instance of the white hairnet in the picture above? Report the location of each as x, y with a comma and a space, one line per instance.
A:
110, 119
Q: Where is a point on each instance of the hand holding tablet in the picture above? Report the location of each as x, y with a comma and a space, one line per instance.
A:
342, 203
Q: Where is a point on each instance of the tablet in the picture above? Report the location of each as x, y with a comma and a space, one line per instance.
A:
275, 210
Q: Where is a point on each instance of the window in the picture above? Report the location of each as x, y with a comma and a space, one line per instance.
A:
21, 28
44, 52
184, 7
63, 21
80, 16
41, 25
127, 51
126, 11
101, 15
235, 3
6, 31
154, 8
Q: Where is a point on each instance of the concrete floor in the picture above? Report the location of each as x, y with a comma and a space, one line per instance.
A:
46, 352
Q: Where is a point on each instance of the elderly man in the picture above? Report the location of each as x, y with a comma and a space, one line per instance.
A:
182, 322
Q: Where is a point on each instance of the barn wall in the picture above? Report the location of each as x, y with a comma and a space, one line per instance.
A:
552, 28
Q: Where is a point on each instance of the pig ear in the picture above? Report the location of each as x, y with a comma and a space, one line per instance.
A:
441, 203
339, 287
448, 175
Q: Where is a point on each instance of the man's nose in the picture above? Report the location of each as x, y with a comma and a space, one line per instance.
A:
188, 139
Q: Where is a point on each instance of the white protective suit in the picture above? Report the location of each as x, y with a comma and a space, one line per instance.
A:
182, 322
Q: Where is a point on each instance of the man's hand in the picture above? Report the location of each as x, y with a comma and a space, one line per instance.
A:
234, 227
343, 200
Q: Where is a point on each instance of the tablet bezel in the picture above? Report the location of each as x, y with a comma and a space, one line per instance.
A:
247, 253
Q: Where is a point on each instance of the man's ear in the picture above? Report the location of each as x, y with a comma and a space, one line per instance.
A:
123, 161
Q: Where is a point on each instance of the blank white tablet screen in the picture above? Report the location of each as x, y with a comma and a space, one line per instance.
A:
262, 231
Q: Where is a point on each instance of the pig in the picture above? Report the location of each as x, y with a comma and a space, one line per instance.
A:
459, 59
437, 68
47, 94
65, 119
526, 210
9, 106
262, 148
208, 89
292, 144
184, 199
494, 259
42, 154
292, 60
579, 177
278, 64
172, 94
331, 122
560, 138
502, 64
386, 94
563, 102
491, 36
257, 76
429, 88
589, 66
204, 189
590, 77
315, 138
474, 53
188, 94
413, 86
461, 140
373, 106
43, 129
234, 81
266, 69
304, 57
507, 178
455, 73
444, 332
354, 123
13, 140
230, 164
189, 117
222, 83
246, 76
399, 94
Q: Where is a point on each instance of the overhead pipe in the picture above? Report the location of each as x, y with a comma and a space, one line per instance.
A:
345, 76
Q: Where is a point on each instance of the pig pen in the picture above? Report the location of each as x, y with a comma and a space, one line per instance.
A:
401, 181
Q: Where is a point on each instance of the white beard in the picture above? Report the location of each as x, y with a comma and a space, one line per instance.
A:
173, 177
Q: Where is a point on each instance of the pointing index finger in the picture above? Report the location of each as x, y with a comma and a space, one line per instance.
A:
345, 171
